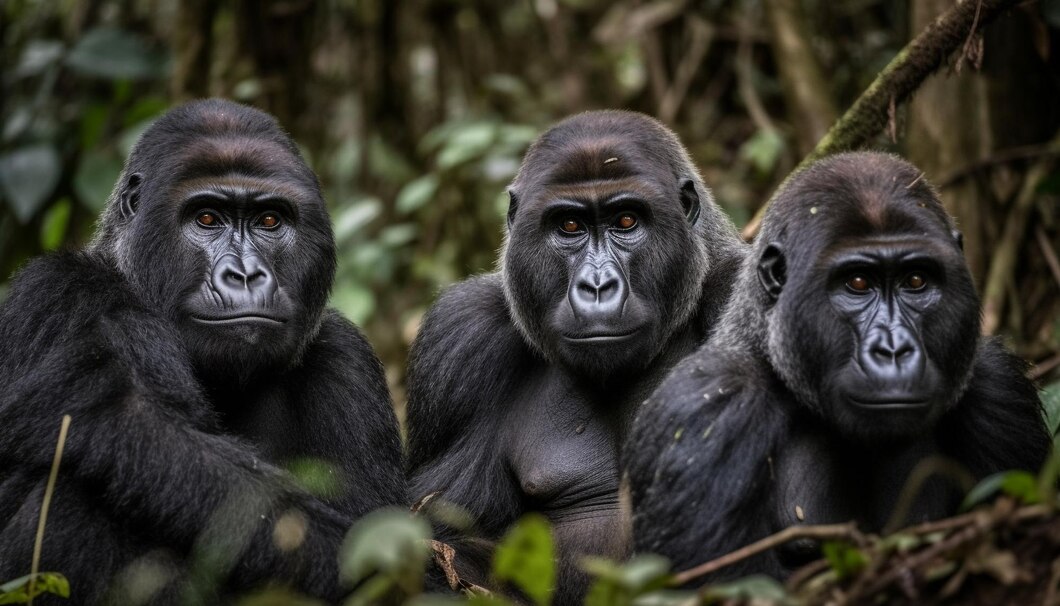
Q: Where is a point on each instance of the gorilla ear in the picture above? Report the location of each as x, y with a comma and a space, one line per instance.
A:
772, 271
513, 205
690, 200
129, 198
958, 237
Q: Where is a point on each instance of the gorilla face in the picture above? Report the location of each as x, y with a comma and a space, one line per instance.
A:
601, 263
875, 318
230, 238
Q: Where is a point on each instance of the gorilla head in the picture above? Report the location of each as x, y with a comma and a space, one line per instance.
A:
218, 223
606, 253
870, 311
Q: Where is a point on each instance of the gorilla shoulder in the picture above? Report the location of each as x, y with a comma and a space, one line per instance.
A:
466, 349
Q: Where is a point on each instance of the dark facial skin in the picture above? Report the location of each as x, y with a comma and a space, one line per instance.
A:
889, 333
594, 232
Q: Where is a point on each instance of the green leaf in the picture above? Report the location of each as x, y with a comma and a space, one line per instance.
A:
317, 476
845, 559
28, 176
115, 54
526, 558
388, 542
1019, 484
762, 150
37, 56
416, 193
96, 175
620, 583
20, 590
1051, 407
755, 588
352, 218
467, 143
53, 226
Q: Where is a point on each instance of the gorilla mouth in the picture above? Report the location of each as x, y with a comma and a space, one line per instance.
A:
240, 319
892, 404
601, 337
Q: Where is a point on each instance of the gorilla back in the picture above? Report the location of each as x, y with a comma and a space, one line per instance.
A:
521, 382
849, 353
191, 345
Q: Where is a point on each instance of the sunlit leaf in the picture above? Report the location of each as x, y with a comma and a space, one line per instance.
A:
317, 476
37, 56
396, 236
28, 176
526, 558
20, 590
845, 559
1051, 406
108, 52
1019, 484
352, 218
467, 143
53, 226
95, 177
763, 150
354, 301
416, 193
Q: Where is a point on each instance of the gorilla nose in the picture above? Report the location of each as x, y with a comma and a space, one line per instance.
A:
894, 353
243, 281
597, 291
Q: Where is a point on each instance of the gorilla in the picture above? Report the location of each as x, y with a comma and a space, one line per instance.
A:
191, 345
522, 382
850, 352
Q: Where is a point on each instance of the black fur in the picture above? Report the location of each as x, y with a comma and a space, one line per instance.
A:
508, 411
760, 421
180, 429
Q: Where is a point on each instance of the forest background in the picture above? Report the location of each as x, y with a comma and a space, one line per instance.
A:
415, 114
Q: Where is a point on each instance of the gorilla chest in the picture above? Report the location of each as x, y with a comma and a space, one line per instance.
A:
563, 450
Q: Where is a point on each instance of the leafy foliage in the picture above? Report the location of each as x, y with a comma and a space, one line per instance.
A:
24, 589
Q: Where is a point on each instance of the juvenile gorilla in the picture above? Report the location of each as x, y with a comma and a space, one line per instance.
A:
191, 346
522, 382
849, 353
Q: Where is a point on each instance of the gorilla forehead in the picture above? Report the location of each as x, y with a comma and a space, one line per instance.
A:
247, 156
856, 195
601, 146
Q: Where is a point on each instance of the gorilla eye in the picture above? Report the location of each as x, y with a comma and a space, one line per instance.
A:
571, 226
270, 220
626, 221
207, 219
858, 284
915, 281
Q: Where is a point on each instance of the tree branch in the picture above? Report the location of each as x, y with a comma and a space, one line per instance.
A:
924, 55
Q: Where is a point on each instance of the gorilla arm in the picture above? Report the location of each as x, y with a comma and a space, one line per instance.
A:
997, 424
462, 369
699, 462
345, 417
72, 341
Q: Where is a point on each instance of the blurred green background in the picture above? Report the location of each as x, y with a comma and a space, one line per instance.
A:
415, 114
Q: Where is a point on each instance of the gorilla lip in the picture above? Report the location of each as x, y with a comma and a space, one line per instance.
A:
248, 318
892, 404
601, 337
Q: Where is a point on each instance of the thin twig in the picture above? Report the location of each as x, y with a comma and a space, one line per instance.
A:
823, 532
38, 543
1048, 253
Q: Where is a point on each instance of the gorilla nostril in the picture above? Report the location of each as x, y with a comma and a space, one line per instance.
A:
904, 351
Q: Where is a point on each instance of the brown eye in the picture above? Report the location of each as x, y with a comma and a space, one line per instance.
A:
626, 221
571, 226
915, 281
858, 284
269, 221
207, 219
